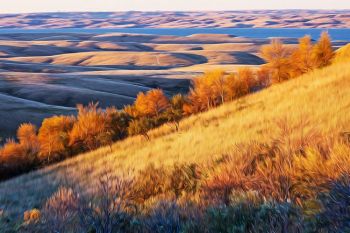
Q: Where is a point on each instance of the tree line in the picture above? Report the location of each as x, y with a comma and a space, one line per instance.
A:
60, 137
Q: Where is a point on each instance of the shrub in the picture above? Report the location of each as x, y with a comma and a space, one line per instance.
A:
185, 179
117, 122
336, 207
251, 217
60, 211
176, 110
165, 217
141, 126
151, 182
110, 209
31, 216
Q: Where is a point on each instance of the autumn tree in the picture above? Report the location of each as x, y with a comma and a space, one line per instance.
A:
277, 56
263, 77
91, 130
54, 137
141, 126
16, 157
152, 103
131, 111
208, 90
248, 76
12, 158
216, 80
302, 59
176, 110
323, 52
117, 123
235, 87
28, 141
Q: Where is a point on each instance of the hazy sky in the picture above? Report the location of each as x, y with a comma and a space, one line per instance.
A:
14, 6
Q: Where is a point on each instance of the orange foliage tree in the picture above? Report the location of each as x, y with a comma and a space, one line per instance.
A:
277, 55
28, 141
17, 157
235, 87
152, 103
208, 91
91, 130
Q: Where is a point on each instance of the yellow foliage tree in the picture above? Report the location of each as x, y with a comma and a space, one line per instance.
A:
54, 137
302, 58
323, 52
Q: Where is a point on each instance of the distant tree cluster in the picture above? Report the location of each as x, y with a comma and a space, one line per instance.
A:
60, 137
285, 62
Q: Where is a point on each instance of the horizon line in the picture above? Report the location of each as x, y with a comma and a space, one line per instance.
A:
160, 11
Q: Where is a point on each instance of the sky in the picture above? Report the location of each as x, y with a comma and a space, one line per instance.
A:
21, 6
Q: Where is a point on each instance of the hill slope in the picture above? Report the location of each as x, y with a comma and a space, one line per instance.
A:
321, 97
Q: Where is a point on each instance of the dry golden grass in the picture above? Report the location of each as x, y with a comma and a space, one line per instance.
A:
322, 97
343, 54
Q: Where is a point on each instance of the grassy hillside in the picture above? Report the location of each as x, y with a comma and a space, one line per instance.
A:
343, 54
321, 99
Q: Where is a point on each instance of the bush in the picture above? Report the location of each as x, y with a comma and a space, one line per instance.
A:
31, 216
185, 179
141, 126
110, 209
60, 211
165, 217
251, 217
335, 216
175, 112
151, 182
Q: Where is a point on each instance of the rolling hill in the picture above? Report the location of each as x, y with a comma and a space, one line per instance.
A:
184, 19
321, 97
65, 69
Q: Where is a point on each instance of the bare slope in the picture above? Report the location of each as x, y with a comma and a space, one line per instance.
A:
321, 97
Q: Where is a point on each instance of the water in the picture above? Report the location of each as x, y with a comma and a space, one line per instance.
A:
336, 34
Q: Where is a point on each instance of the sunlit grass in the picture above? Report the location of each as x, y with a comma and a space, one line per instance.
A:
321, 97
